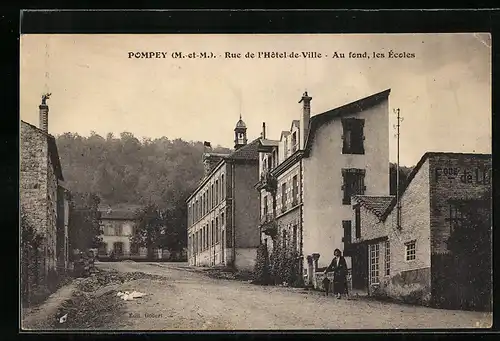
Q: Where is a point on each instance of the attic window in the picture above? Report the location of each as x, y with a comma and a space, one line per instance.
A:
353, 138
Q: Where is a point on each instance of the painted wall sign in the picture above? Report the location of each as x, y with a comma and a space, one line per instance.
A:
477, 176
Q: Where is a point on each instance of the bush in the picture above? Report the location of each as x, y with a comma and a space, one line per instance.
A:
261, 273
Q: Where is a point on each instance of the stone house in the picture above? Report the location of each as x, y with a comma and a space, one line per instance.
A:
399, 249
41, 201
117, 224
223, 210
315, 168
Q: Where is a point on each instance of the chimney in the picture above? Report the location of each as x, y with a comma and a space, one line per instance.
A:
306, 116
263, 130
44, 113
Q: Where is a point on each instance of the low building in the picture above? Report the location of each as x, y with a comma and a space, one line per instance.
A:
403, 248
118, 225
223, 211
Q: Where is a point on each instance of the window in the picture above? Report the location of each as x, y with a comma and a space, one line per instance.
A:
295, 190
223, 184
357, 212
346, 225
216, 192
265, 207
353, 136
217, 228
283, 197
118, 248
103, 248
387, 258
374, 263
354, 184
456, 217
294, 142
212, 234
222, 219
212, 204
294, 240
410, 250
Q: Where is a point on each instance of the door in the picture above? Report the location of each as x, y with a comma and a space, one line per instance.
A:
118, 248
360, 268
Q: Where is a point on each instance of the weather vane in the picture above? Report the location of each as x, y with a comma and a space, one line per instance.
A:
45, 97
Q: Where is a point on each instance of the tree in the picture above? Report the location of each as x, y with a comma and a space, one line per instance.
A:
150, 228
404, 173
84, 221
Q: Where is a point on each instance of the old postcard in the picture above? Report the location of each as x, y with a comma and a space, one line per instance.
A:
255, 182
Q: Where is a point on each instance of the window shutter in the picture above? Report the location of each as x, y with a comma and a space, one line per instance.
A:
346, 225
358, 222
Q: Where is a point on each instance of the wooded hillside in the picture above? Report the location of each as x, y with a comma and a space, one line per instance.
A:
125, 169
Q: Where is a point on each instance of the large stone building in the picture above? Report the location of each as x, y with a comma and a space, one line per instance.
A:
223, 211
41, 197
400, 250
315, 168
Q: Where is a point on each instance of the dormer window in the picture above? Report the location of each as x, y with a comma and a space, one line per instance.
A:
353, 136
294, 142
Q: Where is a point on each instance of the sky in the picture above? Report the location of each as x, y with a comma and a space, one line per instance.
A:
443, 93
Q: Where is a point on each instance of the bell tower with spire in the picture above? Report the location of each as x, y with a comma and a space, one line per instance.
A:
240, 134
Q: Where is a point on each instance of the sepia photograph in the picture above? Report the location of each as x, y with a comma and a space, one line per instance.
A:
225, 182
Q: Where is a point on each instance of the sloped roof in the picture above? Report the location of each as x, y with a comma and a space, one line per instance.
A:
246, 152
52, 147
119, 212
416, 169
377, 204
357, 106
266, 142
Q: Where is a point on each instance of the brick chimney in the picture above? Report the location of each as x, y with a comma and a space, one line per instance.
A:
263, 130
306, 116
44, 114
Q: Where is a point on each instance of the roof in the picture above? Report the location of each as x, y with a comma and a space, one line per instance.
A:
119, 212
52, 148
266, 142
375, 203
357, 106
241, 124
284, 133
246, 152
416, 169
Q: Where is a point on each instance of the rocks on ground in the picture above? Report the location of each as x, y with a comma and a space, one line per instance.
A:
95, 303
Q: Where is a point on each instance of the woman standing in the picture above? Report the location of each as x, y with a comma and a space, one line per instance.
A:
339, 268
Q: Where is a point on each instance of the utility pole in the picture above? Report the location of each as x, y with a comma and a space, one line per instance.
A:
398, 199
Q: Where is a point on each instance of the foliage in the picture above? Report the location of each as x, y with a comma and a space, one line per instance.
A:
285, 265
125, 170
84, 221
150, 228
262, 272
404, 172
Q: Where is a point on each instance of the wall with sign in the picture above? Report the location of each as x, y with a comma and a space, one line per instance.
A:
454, 177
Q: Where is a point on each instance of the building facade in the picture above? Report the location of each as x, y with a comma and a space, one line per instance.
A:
118, 225
401, 248
40, 175
62, 241
223, 210
314, 169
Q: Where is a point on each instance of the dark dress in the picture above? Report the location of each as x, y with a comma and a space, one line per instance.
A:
339, 268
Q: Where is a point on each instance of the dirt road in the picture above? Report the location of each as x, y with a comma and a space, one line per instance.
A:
188, 300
